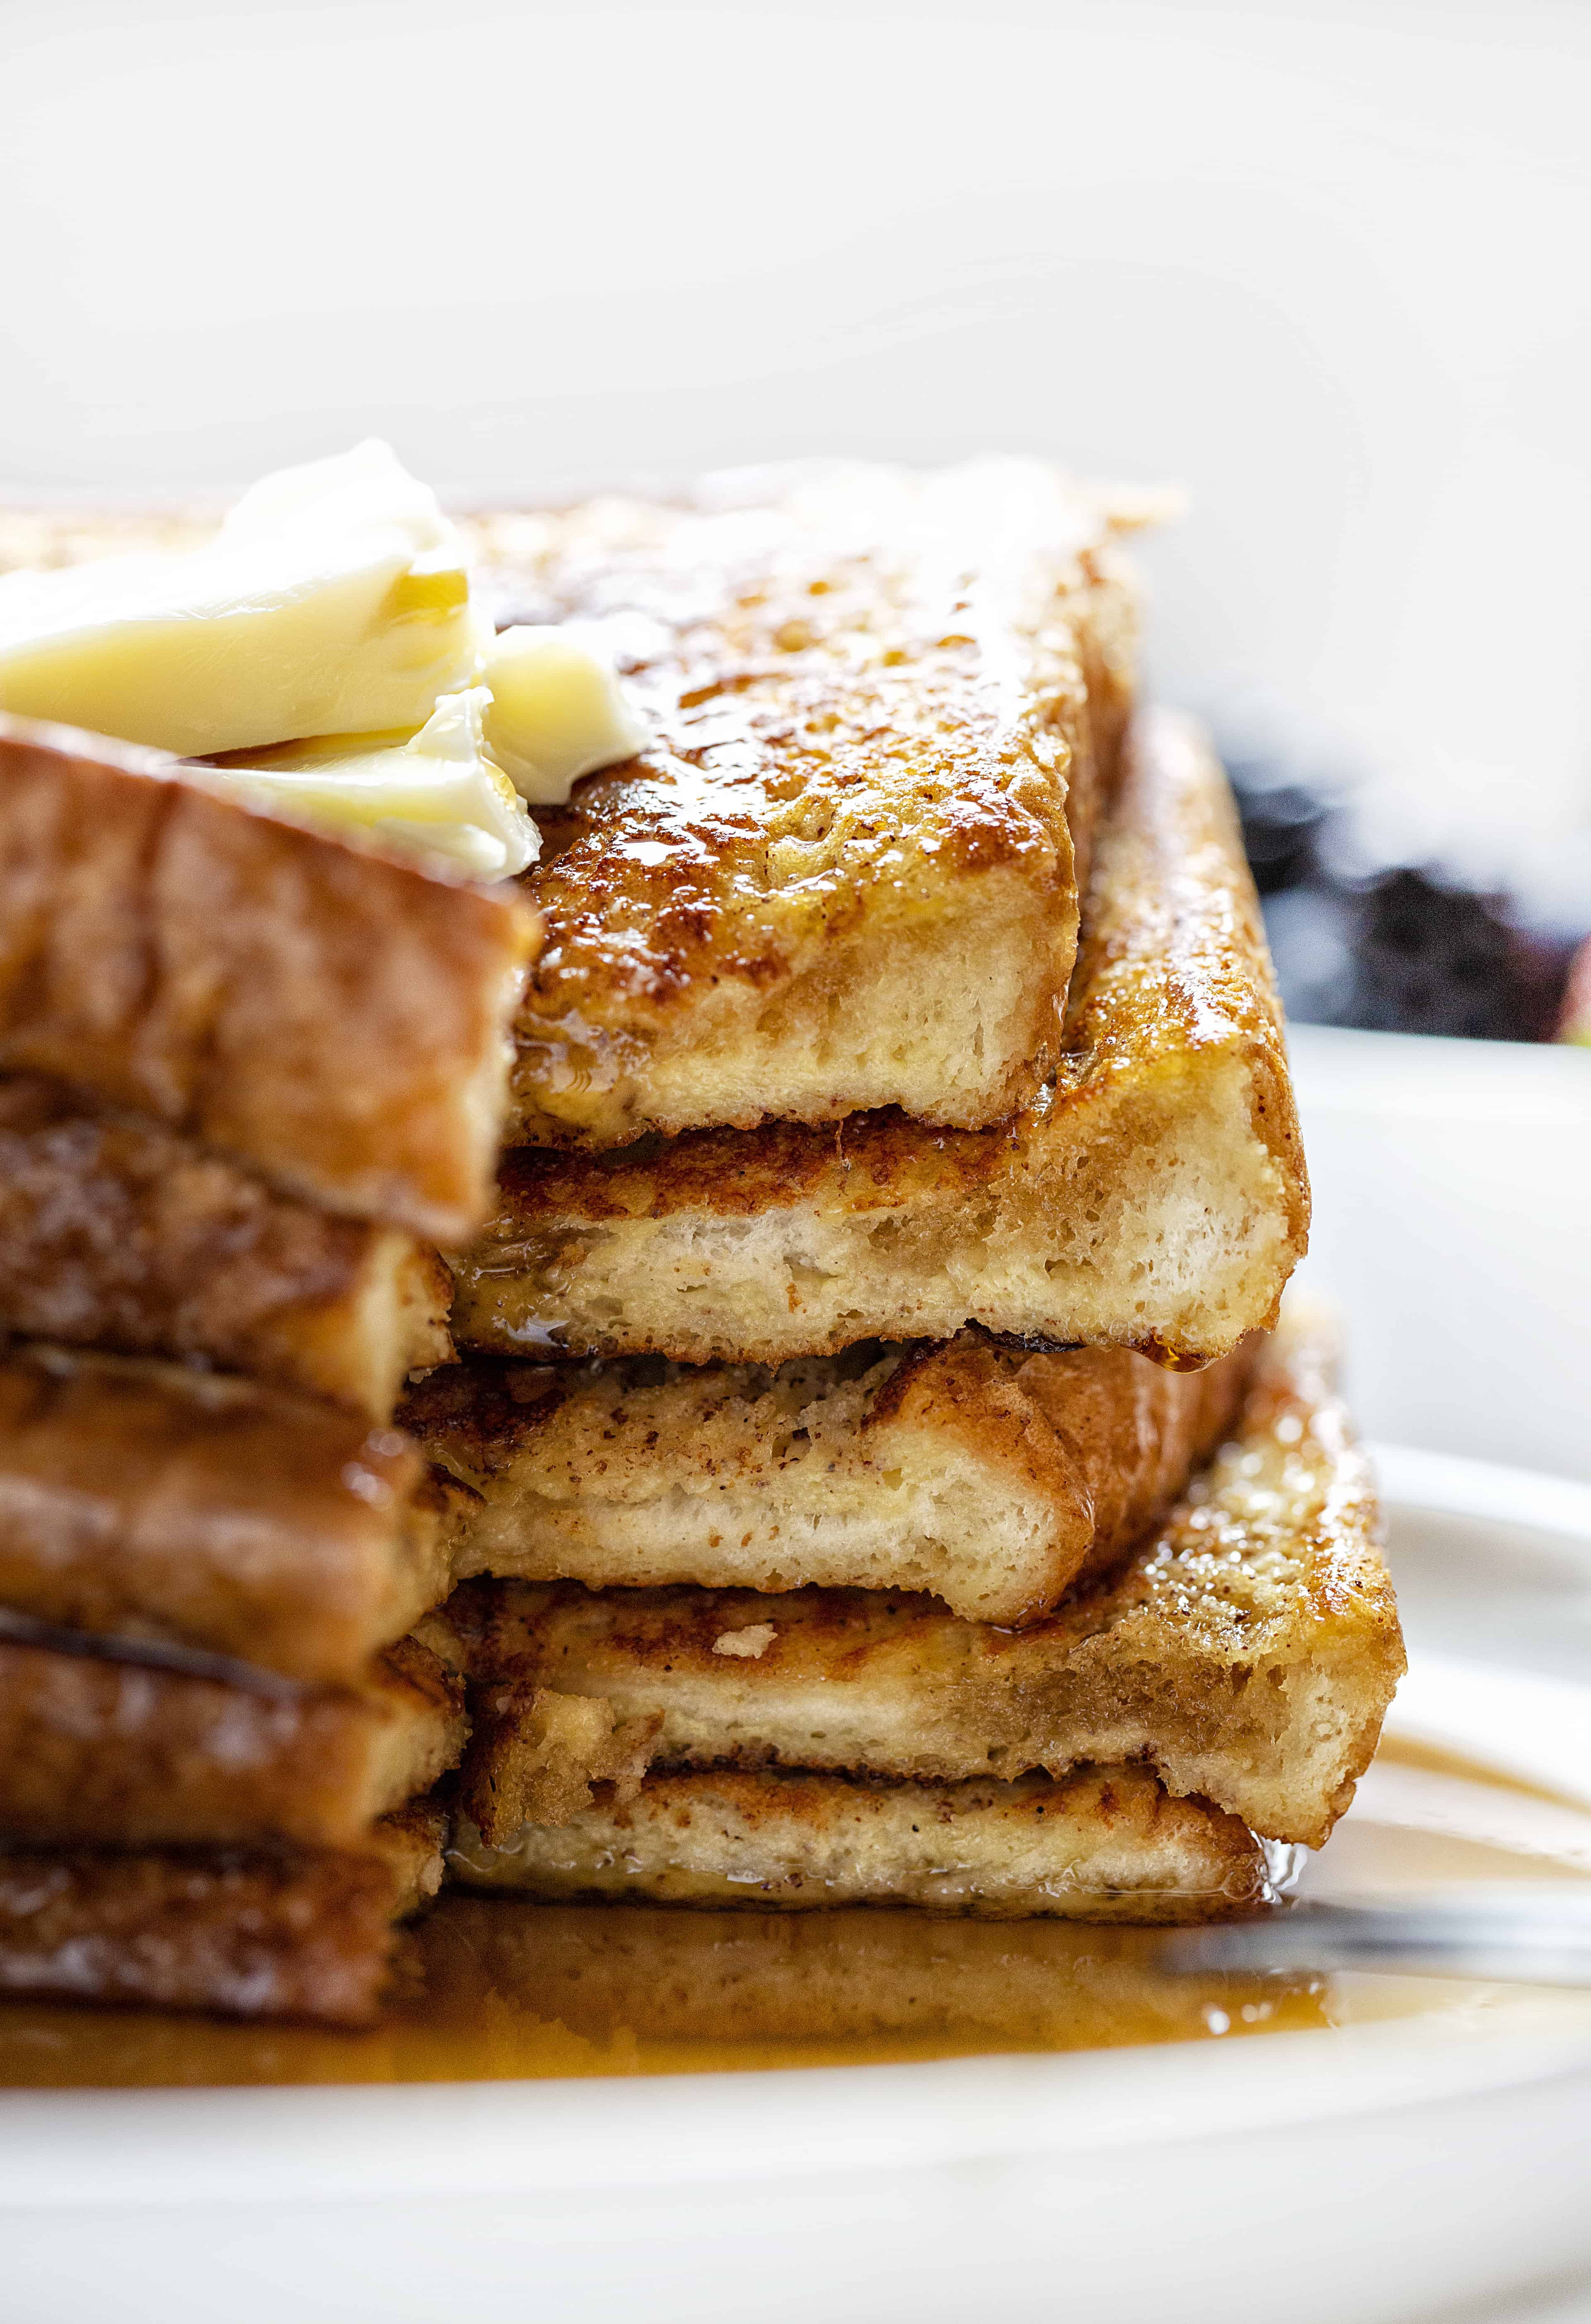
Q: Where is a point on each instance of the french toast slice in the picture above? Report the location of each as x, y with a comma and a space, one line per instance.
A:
1246, 1651
1100, 1844
281, 1932
118, 1232
146, 1502
125, 1747
333, 1018
991, 1479
885, 708
1155, 1198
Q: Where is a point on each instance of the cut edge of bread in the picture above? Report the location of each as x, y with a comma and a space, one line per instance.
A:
1246, 1650
1156, 1198
1100, 1844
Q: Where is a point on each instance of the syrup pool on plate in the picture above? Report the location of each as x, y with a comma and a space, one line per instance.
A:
495, 1989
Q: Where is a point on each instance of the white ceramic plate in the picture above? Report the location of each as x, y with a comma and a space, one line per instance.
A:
1429, 2149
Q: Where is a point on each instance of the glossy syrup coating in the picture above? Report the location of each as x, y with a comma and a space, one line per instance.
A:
1155, 1195
885, 709
1173, 966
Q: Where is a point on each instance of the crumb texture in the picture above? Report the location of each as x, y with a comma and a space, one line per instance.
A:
1246, 1650
1105, 1844
990, 1478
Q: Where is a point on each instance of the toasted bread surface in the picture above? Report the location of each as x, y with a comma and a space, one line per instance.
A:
1101, 1844
284, 1932
1246, 1650
884, 709
120, 1233
990, 1478
333, 1018
99, 1748
141, 1500
1155, 1198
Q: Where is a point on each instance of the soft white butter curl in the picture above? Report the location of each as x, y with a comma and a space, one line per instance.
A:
557, 711
438, 793
332, 601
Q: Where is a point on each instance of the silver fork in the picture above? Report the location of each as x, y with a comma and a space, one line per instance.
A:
1530, 1932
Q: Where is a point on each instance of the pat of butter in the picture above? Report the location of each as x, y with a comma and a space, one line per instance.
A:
557, 712
333, 600
438, 793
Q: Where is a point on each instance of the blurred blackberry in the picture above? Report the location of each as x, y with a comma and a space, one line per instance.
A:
1433, 956
1394, 946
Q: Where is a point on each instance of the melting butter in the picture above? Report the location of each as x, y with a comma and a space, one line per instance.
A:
333, 600
435, 793
557, 711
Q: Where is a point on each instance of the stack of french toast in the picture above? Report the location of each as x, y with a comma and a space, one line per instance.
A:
738, 1364
251, 1080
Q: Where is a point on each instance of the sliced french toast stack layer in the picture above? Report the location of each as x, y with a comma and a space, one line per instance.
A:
884, 1483
739, 1367
252, 1077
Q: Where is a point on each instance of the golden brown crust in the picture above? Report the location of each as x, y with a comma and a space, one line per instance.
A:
1117, 1435
884, 710
332, 1017
117, 1233
144, 1501
1248, 1649
990, 1478
98, 1751
1156, 1198
245, 1933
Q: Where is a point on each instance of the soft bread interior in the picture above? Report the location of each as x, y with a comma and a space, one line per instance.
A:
1103, 1844
989, 1478
1154, 1198
1246, 1650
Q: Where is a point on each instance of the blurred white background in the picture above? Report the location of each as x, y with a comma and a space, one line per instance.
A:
1451, 1185
1325, 265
